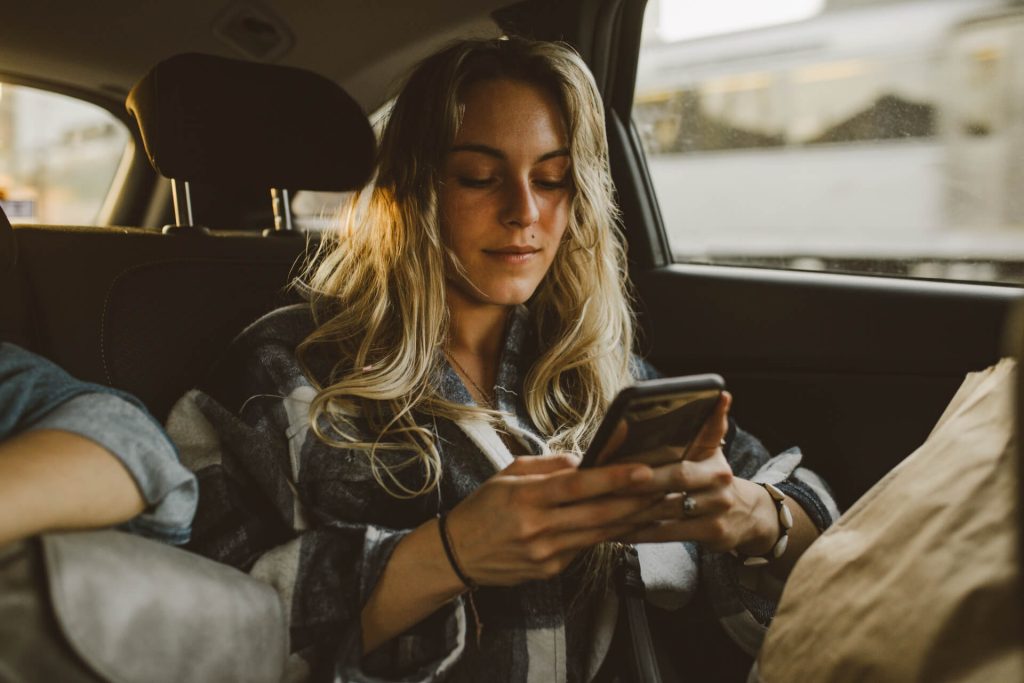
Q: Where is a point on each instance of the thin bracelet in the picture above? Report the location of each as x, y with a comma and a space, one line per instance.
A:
442, 525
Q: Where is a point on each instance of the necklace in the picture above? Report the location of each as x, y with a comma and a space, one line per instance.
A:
485, 398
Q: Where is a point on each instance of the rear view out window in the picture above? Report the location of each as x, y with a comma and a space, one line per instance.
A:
58, 156
882, 137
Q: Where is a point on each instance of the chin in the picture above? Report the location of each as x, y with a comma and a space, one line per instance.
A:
509, 300
509, 296
498, 291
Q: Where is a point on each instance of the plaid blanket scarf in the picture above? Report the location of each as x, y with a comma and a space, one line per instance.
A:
311, 520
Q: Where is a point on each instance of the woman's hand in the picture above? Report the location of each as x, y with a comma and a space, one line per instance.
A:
726, 513
533, 518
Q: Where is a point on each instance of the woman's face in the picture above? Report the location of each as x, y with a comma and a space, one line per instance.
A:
506, 190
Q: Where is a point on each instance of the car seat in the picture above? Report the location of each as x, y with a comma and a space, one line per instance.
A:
148, 312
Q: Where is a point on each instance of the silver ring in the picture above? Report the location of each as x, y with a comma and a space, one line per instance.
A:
689, 506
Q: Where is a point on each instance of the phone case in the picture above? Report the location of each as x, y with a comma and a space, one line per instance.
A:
658, 412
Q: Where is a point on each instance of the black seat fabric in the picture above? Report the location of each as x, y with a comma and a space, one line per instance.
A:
146, 312
14, 323
208, 119
8, 255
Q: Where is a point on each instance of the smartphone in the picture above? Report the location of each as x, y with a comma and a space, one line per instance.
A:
658, 412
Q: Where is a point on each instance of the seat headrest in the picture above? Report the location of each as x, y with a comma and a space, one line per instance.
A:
228, 121
8, 247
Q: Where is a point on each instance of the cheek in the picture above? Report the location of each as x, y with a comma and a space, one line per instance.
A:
557, 219
444, 213
452, 215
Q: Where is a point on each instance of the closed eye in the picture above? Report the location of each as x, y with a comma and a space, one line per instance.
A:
477, 183
552, 184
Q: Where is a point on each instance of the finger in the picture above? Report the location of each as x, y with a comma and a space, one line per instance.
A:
541, 464
566, 487
549, 560
709, 438
688, 475
586, 538
597, 513
674, 507
657, 456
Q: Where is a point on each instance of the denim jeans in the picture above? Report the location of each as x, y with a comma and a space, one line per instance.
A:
35, 394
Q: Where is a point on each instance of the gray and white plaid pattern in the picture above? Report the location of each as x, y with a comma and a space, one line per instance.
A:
312, 521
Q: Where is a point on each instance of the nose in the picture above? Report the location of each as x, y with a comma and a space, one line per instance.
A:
519, 208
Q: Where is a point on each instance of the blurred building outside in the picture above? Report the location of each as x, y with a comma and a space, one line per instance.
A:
58, 156
873, 136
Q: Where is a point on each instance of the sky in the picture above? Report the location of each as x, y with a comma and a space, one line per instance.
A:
688, 19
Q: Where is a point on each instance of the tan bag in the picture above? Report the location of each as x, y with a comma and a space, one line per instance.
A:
918, 581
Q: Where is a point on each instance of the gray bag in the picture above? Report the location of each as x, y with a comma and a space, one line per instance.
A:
108, 606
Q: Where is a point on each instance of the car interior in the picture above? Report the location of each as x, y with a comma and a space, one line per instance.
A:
236, 106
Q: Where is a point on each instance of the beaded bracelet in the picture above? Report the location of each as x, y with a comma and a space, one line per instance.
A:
785, 524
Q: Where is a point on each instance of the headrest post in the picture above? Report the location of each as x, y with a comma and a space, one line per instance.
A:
282, 210
182, 196
282, 204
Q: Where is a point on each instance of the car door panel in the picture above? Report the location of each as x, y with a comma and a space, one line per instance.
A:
854, 370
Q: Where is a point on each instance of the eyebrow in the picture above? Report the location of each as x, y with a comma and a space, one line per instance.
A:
498, 154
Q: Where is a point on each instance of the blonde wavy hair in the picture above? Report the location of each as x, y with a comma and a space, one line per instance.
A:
377, 287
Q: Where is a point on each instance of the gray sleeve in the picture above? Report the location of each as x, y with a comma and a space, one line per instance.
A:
169, 489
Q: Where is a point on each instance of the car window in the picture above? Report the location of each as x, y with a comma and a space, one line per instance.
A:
878, 137
58, 156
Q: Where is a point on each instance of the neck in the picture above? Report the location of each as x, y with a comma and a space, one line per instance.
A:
477, 329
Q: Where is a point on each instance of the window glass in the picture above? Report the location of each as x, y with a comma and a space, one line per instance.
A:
317, 211
58, 156
877, 136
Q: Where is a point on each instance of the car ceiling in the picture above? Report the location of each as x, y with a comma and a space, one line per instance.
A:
104, 47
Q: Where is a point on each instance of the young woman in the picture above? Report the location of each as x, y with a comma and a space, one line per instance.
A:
367, 453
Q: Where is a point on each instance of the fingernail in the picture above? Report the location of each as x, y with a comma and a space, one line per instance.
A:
642, 474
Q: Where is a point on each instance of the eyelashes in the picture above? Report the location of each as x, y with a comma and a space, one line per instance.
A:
475, 183
483, 183
553, 184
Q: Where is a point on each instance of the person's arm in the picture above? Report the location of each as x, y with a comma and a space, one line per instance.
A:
526, 523
75, 454
765, 531
55, 480
732, 511
267, 508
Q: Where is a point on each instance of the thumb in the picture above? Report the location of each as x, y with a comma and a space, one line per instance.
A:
709, 438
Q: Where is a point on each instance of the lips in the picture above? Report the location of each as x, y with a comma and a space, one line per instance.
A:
513, 254
513, 249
